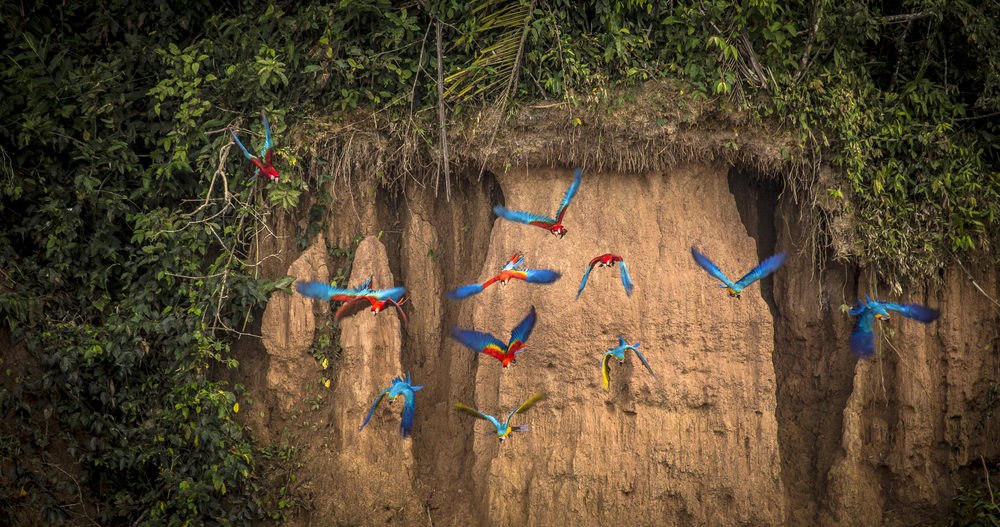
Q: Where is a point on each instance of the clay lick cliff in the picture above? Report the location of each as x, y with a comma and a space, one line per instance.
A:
759, 414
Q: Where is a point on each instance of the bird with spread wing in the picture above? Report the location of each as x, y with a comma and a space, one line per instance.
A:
400, 387
735, 289
862, 339
492, 346
265, 163
509, 271
554, 226
619, 353
608, 260
503, 429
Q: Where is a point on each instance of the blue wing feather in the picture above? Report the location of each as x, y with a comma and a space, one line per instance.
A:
862, 341
478, 414
406, 422
465, 291
475, 340
526, 406
917, 312
384, 294
370, 412
707, 265
583, 283
523, 330
540, 276
267, 135
763, 269
320, 290
521, 217
626, 279
643, 359
577, 177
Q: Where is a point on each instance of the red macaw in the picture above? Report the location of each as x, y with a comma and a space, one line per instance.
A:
536, 276
267, 153
608, 260
356, 305
554, 226
325, 291
492, 346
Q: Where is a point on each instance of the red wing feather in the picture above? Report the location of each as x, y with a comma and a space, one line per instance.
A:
352, 308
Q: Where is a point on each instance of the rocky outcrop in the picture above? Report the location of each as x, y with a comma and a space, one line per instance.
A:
758, 415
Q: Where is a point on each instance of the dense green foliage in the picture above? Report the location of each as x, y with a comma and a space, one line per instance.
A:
124, 250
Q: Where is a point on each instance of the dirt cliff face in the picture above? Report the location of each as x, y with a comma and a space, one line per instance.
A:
758, 415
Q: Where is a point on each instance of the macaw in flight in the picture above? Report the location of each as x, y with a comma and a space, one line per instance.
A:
266, 153
504, 429
490, 345
863, 337
763, 269
554, 226
325, 291
400, 387
608, 260
378, 301
619, 353
535, 276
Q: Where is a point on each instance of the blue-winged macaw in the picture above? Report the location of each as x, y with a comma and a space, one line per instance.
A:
863, 337
763, 269
608, 260
554, 226
400, 387
266, 153
492, 346
535, 276
325, 291
619, 353
378, 302
504, 429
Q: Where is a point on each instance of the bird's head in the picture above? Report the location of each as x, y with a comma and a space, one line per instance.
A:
270, 173
733, 293
559, 231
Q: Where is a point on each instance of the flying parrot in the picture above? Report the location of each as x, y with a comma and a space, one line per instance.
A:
400, 387
324, 291
554, 226
619, 353
490, 345
266, 153
763, 269
608, 260
504, 429
536, 276
863, 337
378, 302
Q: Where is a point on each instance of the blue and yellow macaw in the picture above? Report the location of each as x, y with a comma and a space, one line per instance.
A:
324, 291
554, 226
266, 166
509, 271
863, 337
608, 260
763, 269
619, 353
400, 387
492, 346
504, 429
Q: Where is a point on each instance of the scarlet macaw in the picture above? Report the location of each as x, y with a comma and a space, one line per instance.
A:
763, 269
324, 291
608, 260
490, 345
267, 153
619, 353
377, 304
554, 226
400, 387
862, 339
535, 276
504, 429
